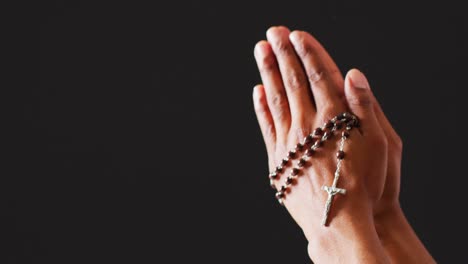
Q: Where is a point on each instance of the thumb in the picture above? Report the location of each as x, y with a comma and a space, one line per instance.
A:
359, 98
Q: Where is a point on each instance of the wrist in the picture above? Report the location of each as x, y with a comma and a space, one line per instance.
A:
398, 237
350, 238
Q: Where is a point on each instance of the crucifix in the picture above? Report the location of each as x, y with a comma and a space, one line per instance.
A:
332, 191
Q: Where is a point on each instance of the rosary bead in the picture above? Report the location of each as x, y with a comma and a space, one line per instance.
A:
346, 118
345, 134
279, 195
318, 131
294, 171
340, 154
338, 125
309, 152
279, 169
327, 124
289, 180
308, 139
318, 143
352, 123
299, 146
314, 141
291, 154
301, 162
273, 175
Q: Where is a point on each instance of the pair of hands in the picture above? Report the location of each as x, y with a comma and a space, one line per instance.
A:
302, 88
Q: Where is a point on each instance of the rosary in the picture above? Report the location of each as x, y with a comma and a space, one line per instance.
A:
315, 140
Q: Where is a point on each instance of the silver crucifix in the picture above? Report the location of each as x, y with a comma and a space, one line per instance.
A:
332, 191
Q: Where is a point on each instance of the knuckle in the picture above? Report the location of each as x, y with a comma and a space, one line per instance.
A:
315, 76
279, 101
280, 106
294, 81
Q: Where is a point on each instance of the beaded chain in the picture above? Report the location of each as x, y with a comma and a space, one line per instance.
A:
315, 140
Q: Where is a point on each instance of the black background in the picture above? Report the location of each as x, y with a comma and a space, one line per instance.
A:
136, 140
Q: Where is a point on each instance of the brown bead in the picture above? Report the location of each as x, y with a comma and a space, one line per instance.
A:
340, 154
327, 135
279, 195
299, 146
309, 152
284, 162
289, 180
294, 171
352, 123
273, 175
346, 118
283, 189
318, 131
318, 143
279, 169
338, 125
301, 162
291, 154
308, 139
345, 134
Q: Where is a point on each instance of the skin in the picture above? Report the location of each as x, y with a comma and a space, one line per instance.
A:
302, 88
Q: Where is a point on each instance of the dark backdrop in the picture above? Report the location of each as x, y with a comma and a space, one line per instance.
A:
136, 140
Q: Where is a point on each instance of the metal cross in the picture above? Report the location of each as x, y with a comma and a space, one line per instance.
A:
332, 191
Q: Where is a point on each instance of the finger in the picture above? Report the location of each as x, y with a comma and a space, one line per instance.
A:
324, 77
360, 102
274, 90
388, 129
293, 76
264, 118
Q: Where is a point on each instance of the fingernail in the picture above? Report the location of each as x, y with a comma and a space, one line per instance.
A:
358, 80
